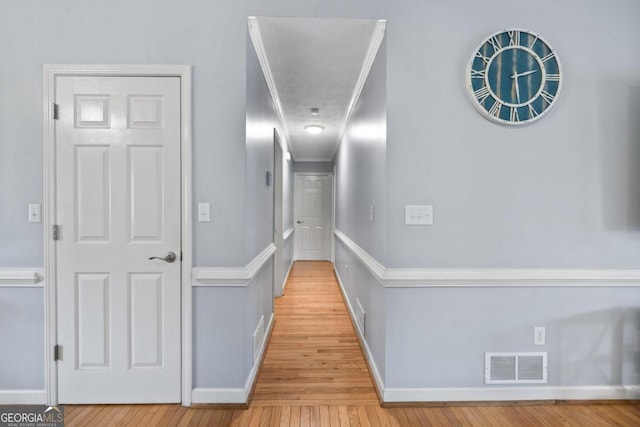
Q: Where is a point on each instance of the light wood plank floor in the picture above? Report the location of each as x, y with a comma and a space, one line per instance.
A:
315, 375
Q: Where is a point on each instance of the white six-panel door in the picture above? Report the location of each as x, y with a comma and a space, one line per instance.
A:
117, 205
312, 207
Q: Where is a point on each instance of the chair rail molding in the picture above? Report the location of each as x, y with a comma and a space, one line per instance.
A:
288, 233
233, 276
490, 277
21, 277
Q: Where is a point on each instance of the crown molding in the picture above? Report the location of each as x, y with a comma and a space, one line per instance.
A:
258, 45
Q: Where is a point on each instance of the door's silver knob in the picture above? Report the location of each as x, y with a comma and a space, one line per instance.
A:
171, 256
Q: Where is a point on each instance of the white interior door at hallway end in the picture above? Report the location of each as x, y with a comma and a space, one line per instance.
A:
117, 206
313, 217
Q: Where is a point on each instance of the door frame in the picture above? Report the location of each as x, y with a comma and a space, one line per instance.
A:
332, 224
51, 71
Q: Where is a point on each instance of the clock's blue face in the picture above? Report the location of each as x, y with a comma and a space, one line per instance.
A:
514, 77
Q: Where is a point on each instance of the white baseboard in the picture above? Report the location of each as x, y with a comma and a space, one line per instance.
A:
234, 395
219, 395
22, 397
363, 342
479, 394
286, 277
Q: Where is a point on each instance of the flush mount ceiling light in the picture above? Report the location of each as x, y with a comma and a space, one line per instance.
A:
314, 129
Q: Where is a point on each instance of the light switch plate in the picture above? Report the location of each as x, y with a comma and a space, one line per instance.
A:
34, 212
418, 214
204, 212
539, 335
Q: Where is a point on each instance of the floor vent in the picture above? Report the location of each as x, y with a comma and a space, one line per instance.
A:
360, 316
515, 368
258, 337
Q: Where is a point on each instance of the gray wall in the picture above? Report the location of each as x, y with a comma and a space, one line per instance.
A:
21, 338
562, 192
261, 122
361, 165
437, 337
360, 183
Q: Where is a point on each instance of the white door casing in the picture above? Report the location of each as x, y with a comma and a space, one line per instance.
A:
313, 213
117, 177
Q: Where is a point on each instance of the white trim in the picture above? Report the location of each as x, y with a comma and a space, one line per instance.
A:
313, 159
187, 234
372, 52
374, 267
258, 45
234, 395
219, 395
286, 277
375, 373
480, 394
22, 397
232, 276
490, 277
285, 239
21, 277
288, 234
50, 72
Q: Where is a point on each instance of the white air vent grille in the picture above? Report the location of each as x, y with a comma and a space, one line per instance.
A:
360, 317
258, 338
515, 368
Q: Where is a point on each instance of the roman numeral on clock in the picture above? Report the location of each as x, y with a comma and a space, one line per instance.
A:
478, 74
495, 109
481, 56
548, 57
481, 94
547, 97
514, 38
514, 115
495, 43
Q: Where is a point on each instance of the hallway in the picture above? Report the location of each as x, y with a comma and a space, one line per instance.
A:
314, 374
314, 357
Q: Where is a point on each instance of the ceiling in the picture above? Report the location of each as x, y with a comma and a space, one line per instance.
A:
316, 63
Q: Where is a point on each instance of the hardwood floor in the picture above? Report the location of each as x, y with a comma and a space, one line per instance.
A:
314, 374
314, 357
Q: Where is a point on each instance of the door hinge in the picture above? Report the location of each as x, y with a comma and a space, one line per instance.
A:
57, 352
56, 232
56, 111
181, 256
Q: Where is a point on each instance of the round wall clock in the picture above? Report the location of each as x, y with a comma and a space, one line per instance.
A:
514, 77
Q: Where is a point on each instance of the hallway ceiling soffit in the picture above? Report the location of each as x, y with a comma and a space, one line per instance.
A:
315, 63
